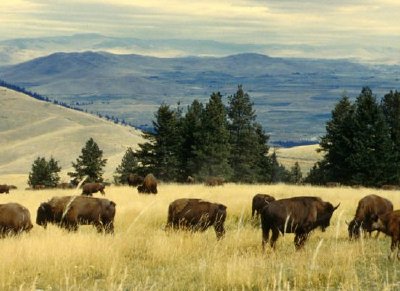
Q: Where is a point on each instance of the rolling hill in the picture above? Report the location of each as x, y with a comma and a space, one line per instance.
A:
293, 98
30, 128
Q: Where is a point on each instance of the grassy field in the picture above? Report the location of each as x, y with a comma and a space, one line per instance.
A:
306, 156
141, 255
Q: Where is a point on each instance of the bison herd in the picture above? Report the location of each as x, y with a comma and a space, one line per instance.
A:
297, 215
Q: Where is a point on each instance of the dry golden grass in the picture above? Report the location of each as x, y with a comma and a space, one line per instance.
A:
306, 156
141, 255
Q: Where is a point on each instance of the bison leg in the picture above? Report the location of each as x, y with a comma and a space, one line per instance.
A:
393, 247
300, 239
274, 238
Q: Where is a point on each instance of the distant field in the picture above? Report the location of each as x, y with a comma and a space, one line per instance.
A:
142, 256
30, 128
306, 156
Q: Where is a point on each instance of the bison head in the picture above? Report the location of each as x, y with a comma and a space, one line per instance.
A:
324, 218
101, 188
354, 229
43, 214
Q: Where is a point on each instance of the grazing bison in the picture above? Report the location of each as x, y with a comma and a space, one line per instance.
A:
259, 201
14, 219
196, 215
65, 185
4, 189
368, 207
39, 187
134, 180
332, 184
214, 181
90, 188
149, 185
390, 187
70, 211
299, 215
389, 223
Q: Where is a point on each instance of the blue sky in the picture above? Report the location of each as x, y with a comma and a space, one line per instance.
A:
362, 29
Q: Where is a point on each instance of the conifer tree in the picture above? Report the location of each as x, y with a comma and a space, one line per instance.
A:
295, 174
44, 173
129, 165
90, 163
244, 138
213, 151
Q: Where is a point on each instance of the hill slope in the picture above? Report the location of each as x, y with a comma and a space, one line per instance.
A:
31, 128
293, 98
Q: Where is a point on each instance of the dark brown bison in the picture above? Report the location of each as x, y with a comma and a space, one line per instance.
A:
14, 219
390, 187
190, 180
90, 188
389, 223
70, 211
259, 201
298, 215
149, 185
134, 180
332, 184
39, 187
368, 207
214, 181
4, 189
196, 215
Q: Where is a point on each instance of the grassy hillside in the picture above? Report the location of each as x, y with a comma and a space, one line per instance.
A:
142, 256
31, 128
306, 156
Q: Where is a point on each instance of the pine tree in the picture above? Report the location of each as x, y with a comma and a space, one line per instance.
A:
90, 163
245, 137
44, 173
337, 144
212, 152
129, 165
278, 171
295, 174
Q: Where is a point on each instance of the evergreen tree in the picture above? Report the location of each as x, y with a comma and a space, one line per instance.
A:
245, 137
317, 174
213, 150
263, 162
295, 174
278, 171
129, 165
337, 144
371, 161
44, 173
90, 163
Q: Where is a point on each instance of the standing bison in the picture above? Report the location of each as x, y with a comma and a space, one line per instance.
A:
298, 215
149, 185
134, 180
14, 219
368, 207
214, 181
389, 223
90, 188
5, 189
70, 211
259, 201
196, 215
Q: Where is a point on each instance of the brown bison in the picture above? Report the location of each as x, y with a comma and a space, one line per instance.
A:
134, 180
149, 185
214, 181
70, 211
14, 219
332, 184
39, 187
389, 223
65, 185
4, 189
196, 215
298, 215
259, 201
90, 188
368, 207
390, 187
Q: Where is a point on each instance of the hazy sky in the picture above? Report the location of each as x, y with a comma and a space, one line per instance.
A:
351, 25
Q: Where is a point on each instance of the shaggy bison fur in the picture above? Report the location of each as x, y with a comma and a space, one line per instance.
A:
14, 219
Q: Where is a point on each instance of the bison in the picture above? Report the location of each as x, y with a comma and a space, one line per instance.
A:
214, 181
90, 188
259, 201
134, 180
299, 215
65, 185
70, 211
149, 185
389, 223
368, 207
4, 189
14, 219
190, 180
196, 215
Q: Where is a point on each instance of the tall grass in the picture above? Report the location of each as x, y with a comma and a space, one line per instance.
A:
141, 255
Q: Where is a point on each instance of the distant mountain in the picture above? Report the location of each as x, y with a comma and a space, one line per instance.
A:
30, 128
293, 98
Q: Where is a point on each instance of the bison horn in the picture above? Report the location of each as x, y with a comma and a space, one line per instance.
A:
336, 207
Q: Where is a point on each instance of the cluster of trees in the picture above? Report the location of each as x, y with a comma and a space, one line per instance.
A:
362, 142
211, 140
88, 165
